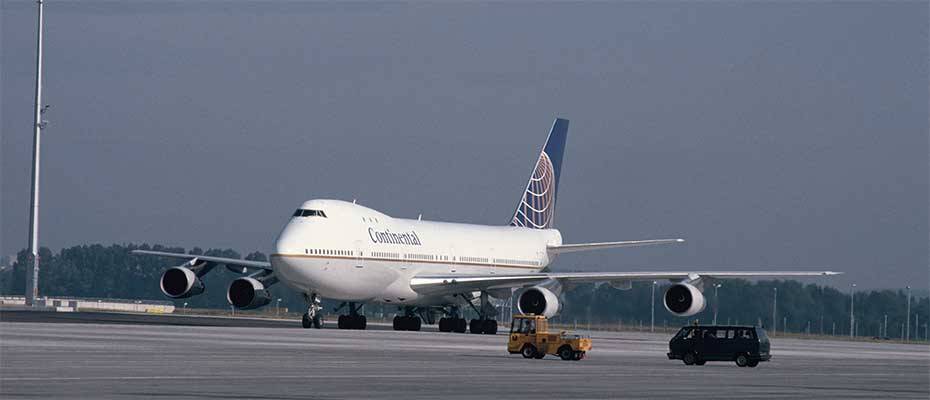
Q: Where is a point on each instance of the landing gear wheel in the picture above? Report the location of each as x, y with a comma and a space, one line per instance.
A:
459, 325
475, 326
489, 326
306, 322
566, 353
317, 322
444, 325
528, 351
689, 359
742, 360
700, 362
753, 364
407, 323
358, 322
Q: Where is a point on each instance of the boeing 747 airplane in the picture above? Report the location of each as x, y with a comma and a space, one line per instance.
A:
347, 252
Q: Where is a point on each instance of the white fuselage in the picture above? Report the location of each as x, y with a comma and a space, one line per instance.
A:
354, 253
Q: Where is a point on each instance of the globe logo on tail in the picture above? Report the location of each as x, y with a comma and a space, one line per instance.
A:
536, 208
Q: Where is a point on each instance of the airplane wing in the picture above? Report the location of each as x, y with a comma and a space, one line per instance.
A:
568, 248
454, 284
218, 260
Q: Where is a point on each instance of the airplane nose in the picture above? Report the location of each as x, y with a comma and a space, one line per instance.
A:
288, 241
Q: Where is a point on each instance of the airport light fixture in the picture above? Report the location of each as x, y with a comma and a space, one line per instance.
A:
652, 311
32, 275
774, 310
907, 329
852, 307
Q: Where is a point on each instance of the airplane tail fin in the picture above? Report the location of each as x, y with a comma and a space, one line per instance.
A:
536, 208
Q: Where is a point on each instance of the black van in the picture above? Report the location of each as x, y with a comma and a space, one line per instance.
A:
695, 345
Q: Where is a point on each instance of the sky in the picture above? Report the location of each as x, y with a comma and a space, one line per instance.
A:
789, 135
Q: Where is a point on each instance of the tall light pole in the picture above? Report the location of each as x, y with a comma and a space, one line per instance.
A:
852, 307
774, 311
716, 302
652, 309
885, 327
32, 275
907, 329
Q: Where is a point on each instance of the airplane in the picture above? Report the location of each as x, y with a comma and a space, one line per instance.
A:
351, 253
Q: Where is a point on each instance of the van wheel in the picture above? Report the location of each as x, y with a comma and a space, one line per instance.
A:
566, 353
752, 364
742, 360
528, 351
689, 359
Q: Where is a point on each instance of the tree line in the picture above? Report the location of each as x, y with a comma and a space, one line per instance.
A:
113, 272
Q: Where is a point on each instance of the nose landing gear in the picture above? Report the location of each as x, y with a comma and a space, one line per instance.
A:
313, 318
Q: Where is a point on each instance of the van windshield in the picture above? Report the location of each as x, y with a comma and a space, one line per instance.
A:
762, 336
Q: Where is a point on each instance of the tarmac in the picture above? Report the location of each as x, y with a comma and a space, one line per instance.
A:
123, 356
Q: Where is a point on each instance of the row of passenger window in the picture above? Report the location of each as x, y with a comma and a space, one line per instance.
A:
474, 259
329, 252
381, 254
509, 261
426, 257
413, 256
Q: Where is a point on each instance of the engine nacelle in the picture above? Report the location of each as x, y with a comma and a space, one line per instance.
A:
540, 301
180, 283
246, 293
684, 300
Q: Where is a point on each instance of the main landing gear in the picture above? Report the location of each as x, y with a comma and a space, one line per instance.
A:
313, 318
453, 324
354, 320
484, 324
409, 321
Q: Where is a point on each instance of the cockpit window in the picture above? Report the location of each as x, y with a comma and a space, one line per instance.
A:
309, 213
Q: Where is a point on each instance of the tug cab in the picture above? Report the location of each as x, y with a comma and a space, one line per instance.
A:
530, 337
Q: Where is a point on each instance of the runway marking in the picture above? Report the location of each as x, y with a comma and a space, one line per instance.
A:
201, 377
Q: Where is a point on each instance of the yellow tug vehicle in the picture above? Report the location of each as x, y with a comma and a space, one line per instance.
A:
530, 337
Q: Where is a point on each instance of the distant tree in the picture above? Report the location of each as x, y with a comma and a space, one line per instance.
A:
114, 272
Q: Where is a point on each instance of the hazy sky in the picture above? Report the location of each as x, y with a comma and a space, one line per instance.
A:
769, 135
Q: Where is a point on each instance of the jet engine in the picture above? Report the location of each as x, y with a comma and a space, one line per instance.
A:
247, 293
180, 283
684, 300
540, 301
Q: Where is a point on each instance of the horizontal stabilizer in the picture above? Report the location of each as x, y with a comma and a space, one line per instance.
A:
568, 248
